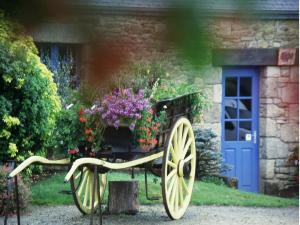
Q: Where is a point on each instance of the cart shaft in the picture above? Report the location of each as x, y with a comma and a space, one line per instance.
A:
38, 160
108, 165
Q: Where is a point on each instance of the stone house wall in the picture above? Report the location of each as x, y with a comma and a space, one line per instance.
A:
279, 133
144, 37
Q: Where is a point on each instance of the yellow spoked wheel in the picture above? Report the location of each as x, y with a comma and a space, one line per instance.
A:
179, 167
82, 187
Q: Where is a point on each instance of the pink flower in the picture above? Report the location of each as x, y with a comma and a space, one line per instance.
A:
73, 151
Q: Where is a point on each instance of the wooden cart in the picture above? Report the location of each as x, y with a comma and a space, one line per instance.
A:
173, 158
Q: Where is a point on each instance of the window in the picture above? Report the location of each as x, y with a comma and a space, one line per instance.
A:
61, 56
237, 108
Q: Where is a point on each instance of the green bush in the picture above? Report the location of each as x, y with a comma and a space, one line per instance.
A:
209, 157
28, 96
68, 132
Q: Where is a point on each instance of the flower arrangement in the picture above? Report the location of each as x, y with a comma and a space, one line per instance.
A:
89, 134
122, 106
148, 128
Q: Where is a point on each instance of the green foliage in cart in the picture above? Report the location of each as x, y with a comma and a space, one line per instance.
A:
166, 89
28, 96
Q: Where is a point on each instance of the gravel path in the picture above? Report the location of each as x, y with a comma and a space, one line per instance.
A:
195, 215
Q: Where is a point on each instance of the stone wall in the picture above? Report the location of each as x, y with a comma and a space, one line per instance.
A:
279, 134
147, 33
232, 33
213, 88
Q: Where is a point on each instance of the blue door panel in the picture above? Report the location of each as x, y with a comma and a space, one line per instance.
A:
240, 100
246, 167
230, 160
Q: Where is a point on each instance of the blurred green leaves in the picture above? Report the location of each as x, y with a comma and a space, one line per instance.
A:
188, 30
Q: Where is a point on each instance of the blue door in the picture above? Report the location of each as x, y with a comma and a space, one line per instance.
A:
240, 125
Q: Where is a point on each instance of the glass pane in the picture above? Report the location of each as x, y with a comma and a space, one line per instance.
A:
230, 131
245, 108
230, 108
245, 131
245, 86
231, 86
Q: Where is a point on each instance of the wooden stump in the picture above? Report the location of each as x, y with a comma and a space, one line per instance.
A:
123, 197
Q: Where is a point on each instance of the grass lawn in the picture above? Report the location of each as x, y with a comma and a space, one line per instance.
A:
49, 190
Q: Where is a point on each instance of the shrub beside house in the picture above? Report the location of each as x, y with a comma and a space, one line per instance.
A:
28, 96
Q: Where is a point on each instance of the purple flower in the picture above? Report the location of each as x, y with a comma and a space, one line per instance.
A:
117, 124
121, 104
132, 126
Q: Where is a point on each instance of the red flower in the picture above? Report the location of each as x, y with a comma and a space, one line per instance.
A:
145, 129
153, 141
81, 112
88, 131
73, 151
82, 119
142, 140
